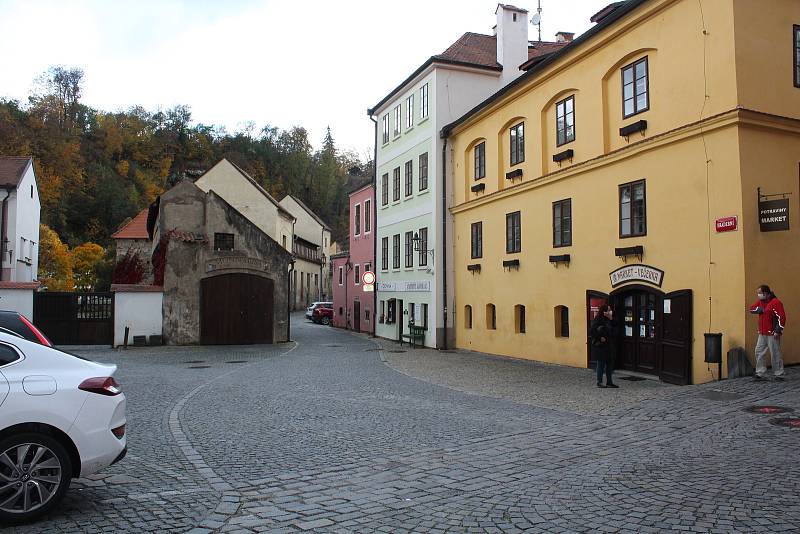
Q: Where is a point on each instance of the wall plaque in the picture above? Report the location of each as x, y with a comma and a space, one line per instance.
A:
236, 262
637, 273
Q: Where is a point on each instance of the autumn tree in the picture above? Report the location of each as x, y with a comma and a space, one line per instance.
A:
86, 259
55, 261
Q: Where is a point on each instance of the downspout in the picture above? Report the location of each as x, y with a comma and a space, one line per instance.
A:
291, 251
375, 226
444, 240
3, 228
289, 301
321, 264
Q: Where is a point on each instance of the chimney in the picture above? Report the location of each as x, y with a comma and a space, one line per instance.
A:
564, 37
512, 40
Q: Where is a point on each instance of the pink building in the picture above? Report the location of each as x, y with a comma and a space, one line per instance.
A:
353, 308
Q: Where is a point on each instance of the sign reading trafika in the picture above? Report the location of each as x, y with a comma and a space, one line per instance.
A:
637, 273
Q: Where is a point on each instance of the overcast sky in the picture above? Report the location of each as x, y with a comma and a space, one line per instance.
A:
311, 63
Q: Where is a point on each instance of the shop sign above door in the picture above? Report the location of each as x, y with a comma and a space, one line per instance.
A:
773, 215
416, 286
637, 273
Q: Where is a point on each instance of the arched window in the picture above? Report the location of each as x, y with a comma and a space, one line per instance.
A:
561, 319
519, 319
491, 317
468, 317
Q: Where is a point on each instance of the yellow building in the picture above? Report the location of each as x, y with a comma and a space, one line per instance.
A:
628, 166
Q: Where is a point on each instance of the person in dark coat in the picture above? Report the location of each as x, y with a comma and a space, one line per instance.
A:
603, 337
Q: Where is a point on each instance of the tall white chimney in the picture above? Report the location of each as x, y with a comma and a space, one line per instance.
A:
512, 40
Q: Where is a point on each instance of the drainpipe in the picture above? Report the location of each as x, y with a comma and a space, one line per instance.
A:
444, 241
4, 193
289, 300
291, 251
322, 263
375, 226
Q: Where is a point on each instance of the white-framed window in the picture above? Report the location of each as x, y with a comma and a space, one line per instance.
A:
357, 220
385, 128
356, 274
423, 108
398, 116
367, 267
367, 216
341, 275
410, 111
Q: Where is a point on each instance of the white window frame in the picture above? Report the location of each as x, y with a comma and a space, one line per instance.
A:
357, 274
423, 108
357, 219
410, 111
385, 128
341, 275
398, 117
367, 216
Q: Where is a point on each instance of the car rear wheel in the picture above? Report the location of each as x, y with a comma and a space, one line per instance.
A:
35, 472
326, 320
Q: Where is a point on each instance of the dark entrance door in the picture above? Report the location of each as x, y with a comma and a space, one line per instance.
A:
236, 309
401, 318
655, 333
357, 316
75, 318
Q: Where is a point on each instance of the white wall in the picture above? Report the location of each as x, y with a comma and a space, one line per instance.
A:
141, 311
23, 221
306, 226
18, 300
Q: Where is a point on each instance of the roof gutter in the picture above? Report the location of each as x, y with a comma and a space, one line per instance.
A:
607, 21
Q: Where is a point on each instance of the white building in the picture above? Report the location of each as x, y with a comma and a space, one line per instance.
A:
411, 202
311, 279
19, 222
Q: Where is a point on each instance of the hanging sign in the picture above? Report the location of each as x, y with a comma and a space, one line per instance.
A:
773, 215
637, 273
727, 224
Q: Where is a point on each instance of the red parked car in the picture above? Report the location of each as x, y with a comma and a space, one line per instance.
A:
322, 313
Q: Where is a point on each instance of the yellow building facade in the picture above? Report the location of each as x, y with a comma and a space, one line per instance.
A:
627, 168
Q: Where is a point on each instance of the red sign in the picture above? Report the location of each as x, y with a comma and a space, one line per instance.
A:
727, 224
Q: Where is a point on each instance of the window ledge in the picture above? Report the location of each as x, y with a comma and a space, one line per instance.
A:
426, 118
423, 192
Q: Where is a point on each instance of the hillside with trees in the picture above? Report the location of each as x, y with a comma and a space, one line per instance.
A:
97, 169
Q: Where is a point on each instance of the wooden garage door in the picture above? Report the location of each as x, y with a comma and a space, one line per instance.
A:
236, 309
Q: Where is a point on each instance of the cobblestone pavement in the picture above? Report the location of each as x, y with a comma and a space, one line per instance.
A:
327, 436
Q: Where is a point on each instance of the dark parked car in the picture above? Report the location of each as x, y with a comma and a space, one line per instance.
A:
323, 313
15, 323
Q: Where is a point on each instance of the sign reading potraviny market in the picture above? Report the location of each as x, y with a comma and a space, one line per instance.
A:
637, 273
413, 286
773, 215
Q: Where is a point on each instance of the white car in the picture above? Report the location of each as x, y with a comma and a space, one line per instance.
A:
60, 417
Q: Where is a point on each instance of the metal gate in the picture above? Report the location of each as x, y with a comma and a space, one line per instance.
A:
75, 318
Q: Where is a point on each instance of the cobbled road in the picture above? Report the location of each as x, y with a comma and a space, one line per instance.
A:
325, 435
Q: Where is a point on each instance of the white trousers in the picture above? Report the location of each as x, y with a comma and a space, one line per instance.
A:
774, 345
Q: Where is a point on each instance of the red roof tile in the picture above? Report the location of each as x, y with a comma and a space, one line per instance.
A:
538, 50
12, 169
472, 48
136, 229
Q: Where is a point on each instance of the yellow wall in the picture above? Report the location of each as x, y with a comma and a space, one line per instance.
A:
701, 159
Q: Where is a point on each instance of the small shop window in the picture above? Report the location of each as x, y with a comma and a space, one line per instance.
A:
382, 317
468, 317
424, 316
491, 317
223, 241
561, 316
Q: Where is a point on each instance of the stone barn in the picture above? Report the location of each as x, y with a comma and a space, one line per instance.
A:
225, 281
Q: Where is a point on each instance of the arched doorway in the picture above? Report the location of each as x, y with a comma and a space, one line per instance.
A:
655, 330
236, 309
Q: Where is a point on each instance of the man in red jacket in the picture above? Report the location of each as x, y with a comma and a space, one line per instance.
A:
771, 322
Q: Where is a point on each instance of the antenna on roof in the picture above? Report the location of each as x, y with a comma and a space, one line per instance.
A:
536, 19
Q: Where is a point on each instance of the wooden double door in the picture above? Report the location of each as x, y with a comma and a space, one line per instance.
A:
236, 309
655, 332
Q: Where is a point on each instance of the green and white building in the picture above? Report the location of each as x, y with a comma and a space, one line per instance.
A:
412, 262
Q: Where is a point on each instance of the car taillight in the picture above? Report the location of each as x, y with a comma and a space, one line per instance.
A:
36, 332
119, 432
105, 385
